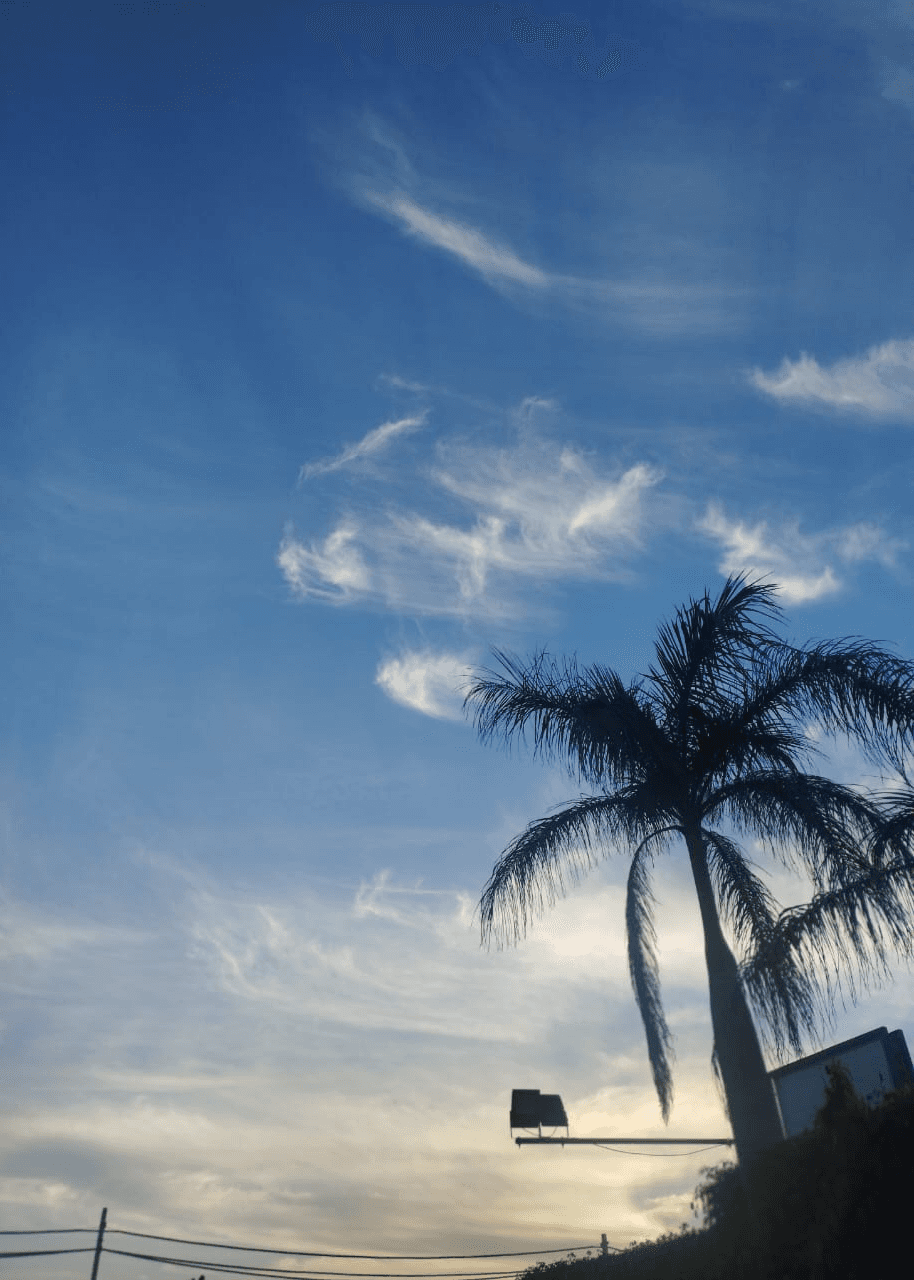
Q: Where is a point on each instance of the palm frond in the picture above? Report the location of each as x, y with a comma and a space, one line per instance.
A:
853, 688
786, 997
538, 865
645, 975
845, 933
896, 840
704, 649
745, 901
587, 718
808, 821
726, 747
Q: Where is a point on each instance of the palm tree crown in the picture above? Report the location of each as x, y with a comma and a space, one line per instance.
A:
717, 731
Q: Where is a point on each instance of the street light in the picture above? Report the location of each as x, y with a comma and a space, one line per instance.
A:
531, 1109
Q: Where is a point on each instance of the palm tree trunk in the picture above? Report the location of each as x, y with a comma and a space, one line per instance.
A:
750, 1096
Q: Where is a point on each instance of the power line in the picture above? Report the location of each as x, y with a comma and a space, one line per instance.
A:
49, 1231
271, 1273
41, 1253
650, 1155
362, 1257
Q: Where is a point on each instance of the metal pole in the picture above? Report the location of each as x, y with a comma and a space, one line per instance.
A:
98, 1243
604, 1245
629, 1142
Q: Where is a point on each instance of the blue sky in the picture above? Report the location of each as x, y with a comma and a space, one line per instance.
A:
335, 351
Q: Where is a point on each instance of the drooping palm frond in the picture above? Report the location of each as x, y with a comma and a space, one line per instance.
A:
810, 822
792, 1002
844, 934
896, 840
645, 975
588, 719
786, 996
745, 901
538, 865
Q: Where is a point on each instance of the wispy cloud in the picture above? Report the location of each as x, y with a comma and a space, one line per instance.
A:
27, 936
538, 512
376, 440
801, 564
689, 285
428, 682
879, 383
335, 570
404, 384
651, 304
485, 255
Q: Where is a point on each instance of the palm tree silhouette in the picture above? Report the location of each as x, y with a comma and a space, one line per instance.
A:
717, 730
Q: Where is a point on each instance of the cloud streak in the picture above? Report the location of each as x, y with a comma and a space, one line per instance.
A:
537, 512
490, 259
801, 564
662, 305
879, 383
376, 440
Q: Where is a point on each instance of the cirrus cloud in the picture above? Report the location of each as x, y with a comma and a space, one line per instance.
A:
373, 442
879, 383
335, 570
801, 564
537, 513
491, 259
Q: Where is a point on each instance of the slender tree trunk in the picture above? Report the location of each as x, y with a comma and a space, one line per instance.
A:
747, 1085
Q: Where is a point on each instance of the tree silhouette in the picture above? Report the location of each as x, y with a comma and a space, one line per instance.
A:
717, 730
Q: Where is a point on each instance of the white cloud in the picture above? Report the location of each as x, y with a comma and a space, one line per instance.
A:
880, 383
373, 442
334, 571
797, 562
538, 513
427, 682
471, 246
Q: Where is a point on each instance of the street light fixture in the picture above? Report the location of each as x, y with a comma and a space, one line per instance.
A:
531, 1109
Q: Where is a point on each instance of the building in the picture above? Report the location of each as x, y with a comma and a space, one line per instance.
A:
876, 1062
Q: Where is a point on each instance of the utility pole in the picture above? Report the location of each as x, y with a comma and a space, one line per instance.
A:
98, 1244
604, 1245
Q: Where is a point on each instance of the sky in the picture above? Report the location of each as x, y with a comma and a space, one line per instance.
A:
341, 344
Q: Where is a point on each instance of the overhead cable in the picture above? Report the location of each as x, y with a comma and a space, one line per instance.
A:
42, 1253
364, 1257
271, 1273
650, 1155
50, 1231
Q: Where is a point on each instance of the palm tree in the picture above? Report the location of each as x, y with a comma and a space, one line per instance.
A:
716, 730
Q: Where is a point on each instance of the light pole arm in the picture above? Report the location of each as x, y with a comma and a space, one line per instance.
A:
628, 1142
